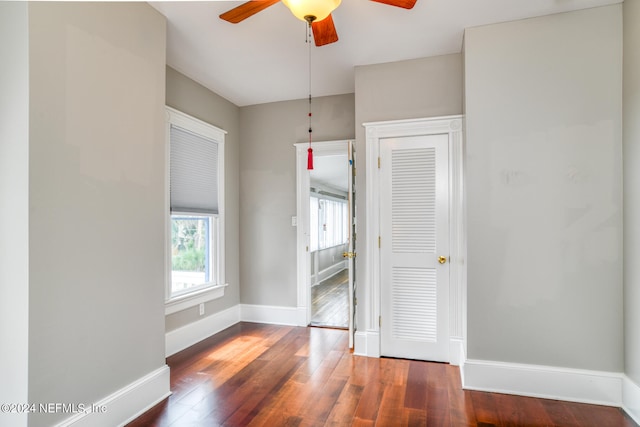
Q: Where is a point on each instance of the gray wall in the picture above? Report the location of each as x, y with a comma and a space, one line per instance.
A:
96, 194
14, 207
544, 190
191, 98
268, 190
631, 157
427, 87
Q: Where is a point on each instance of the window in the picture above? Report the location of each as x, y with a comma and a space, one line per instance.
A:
192, 241
195, 248
328, 223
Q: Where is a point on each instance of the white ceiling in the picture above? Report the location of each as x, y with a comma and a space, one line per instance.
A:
330, 172
265, 58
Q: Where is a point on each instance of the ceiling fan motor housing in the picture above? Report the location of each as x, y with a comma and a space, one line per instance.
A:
318, 9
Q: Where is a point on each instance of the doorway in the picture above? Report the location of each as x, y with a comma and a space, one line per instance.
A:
326, 251
328, 241
385, 322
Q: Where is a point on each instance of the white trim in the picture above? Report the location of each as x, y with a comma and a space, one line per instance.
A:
288, 316
127, 403
453, 126
360, 344
188, 335
631, 398
301, 316
192, 124
367, 344
574, 385
456, 351
189, 300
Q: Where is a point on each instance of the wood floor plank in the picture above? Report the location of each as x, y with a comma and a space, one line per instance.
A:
558, 413
266, 375
461, 408
437, 395
485, 408
369, 404
516, 410
415, 418
602, 416
319, 409
261, 393
391, 405
285, 407
416, 385
438, 406
344, 410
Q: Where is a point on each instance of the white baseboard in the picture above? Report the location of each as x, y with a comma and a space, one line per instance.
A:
601, 388
330, 271
360, 343
125, 404
289, 316
367, 343
631, 398
302, 319
188, 335
456, 351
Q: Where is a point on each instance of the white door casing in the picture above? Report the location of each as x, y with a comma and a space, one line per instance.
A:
367, 337
414, 234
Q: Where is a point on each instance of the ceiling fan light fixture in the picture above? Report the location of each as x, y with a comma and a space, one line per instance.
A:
318, 9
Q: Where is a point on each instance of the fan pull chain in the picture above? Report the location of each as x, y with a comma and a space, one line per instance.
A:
310, 150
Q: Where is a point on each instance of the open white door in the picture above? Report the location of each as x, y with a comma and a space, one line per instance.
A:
351, 254
414, 247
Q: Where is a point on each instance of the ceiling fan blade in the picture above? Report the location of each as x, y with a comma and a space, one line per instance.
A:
406, 4
324, 32
245, 10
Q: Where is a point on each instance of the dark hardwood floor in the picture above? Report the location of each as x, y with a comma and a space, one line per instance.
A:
330, 302
265, 375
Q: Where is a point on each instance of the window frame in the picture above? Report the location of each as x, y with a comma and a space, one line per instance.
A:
215, 287
213, 251
322, 238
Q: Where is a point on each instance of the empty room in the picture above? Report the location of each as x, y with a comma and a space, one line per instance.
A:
386, 212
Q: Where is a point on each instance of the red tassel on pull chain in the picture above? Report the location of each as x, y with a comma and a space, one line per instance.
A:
310, 159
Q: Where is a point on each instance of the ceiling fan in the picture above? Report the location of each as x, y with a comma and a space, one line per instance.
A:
317, 13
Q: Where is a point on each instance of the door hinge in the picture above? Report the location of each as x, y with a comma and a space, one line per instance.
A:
378, 162
379, 241
380, 321
355, 301
354, 171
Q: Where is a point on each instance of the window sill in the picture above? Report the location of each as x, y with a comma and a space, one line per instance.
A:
184, 302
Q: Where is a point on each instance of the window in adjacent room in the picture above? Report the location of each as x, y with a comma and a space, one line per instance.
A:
196, 208
328, 223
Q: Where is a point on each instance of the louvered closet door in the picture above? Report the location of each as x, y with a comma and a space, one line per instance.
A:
414, 232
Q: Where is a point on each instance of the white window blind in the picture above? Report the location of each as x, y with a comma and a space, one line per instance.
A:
193, 172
